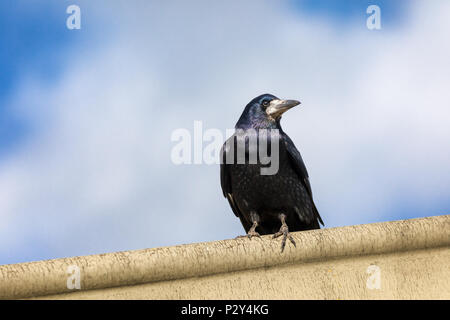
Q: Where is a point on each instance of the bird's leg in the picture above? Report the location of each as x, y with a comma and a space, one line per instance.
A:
252, 231
284, 231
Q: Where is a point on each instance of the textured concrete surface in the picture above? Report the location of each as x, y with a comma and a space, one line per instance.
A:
422, 274
412, 258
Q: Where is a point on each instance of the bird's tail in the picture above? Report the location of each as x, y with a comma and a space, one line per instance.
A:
318, 217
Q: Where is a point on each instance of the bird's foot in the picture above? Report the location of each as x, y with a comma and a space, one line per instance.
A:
250, 235
284, 231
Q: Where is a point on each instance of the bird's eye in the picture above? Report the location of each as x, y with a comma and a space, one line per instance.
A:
265, 103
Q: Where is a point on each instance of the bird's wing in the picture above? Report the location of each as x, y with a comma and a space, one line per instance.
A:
225, 181
300, 168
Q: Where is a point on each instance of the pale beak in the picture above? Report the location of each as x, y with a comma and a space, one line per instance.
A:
278, 107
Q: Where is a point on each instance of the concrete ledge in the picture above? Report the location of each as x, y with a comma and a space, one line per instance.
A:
413, 256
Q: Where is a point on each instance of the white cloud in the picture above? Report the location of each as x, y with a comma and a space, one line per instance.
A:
96, 176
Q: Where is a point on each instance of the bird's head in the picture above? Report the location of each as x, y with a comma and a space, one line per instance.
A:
265, 112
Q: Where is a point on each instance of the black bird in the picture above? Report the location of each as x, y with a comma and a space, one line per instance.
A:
267, 203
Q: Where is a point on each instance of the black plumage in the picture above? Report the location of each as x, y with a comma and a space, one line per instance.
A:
267, 204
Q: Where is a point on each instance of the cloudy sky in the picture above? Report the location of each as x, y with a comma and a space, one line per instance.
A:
86, 116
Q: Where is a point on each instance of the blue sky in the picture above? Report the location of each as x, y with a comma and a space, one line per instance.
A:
353, 10
86, 115
34, 40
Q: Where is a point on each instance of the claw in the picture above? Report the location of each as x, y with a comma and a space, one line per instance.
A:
284, 231
250, 235
252, 232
